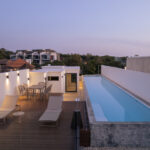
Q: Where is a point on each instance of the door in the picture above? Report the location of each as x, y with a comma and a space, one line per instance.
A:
71, 82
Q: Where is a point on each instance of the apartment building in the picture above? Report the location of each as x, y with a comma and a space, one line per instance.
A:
37, 56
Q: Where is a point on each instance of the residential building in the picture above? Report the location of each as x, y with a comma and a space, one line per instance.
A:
3, 63
18, 65
36, 56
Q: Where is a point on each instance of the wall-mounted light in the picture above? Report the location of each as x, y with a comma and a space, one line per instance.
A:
28, 79
45, 78
7, 76
18, 74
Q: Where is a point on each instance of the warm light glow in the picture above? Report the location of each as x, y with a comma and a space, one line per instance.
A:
18, 80
28, 82
125, 68
7, 78
18, 74
45, 75
28, 79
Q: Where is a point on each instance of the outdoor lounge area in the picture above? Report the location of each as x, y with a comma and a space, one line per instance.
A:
38, 112
41, 114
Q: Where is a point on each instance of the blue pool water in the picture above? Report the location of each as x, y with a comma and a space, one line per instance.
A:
111, 103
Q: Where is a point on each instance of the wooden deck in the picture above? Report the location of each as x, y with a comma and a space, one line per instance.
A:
26, 133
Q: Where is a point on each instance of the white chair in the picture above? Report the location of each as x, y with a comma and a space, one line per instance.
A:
46, 92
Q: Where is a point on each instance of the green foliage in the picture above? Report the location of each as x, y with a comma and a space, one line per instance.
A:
57, 63
91, 64
4, 54
72, 60
37, 66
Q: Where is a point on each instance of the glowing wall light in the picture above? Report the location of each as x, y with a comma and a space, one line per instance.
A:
7, 76
18, 79
28, 79
45, 75
7, 79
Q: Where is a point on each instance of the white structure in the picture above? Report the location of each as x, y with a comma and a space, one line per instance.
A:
39, 56
141, 64
138, 83
63, 78
9, 82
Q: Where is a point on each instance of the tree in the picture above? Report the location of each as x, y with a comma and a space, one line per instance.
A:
73, 60
5, 54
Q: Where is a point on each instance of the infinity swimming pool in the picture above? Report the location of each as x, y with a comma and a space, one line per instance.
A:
113, 104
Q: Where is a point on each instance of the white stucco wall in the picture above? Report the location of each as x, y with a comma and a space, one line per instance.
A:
67, 69
9, 86
136, 82
54, 54
36, 77
57, 86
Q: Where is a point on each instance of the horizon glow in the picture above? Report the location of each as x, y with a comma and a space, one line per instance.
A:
99, 27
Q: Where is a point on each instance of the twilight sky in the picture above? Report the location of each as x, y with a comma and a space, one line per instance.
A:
112, 27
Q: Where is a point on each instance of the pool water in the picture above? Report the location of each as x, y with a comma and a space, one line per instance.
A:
111, 103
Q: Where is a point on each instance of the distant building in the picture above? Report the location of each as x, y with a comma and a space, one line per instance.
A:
36, 56
18, 65
3, 63
141, 64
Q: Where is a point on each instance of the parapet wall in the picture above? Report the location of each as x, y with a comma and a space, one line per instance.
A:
141, 64
137, 83
9, 82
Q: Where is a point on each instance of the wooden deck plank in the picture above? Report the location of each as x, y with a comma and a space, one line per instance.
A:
29, 134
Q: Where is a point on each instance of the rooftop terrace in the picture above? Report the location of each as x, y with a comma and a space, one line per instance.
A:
27, 133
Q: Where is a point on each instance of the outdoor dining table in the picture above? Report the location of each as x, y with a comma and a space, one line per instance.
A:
38, 87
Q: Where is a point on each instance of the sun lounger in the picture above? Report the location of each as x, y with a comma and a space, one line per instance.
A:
9, 104
53, 110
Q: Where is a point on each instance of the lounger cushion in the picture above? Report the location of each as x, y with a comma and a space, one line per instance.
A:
55, 102
8, 105
4, 109
3, 114
50, 115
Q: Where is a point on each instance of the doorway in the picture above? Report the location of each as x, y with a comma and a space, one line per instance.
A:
71, 82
